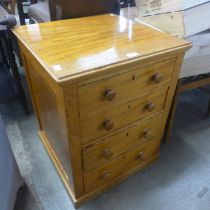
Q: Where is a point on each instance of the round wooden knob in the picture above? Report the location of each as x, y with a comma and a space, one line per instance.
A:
150, 107
107, 154
147, 134
105, 175
157, 78
141, 156
109, 95
108, 125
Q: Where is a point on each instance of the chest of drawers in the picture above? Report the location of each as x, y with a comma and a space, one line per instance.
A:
101, 87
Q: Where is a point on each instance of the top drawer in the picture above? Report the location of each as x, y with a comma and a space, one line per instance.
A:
104, 94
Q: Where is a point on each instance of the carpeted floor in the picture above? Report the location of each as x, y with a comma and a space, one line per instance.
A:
180, 179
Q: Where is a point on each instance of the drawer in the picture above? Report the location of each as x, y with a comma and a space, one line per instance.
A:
104, 94
105, 122
107, 149
116, 168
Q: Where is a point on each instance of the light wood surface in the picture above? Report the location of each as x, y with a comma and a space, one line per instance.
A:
108, 148
122, 115
134, 157
78, 46
116, 106
92, 96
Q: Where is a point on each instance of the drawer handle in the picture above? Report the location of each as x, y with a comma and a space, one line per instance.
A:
150, 107
157, 78
107, 154
108, 125
141, 156
105, 175
147, 134
109, 95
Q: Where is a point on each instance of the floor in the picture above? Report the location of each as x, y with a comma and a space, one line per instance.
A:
180, 179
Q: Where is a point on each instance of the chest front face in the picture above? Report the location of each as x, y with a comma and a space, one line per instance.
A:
101, 98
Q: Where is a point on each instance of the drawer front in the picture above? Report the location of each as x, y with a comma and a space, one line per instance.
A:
107, 149
115, 169
105, 122
104, 94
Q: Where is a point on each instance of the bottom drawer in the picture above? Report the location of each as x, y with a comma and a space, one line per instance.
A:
116, 168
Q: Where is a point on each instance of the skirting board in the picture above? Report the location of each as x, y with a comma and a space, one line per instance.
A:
64, 177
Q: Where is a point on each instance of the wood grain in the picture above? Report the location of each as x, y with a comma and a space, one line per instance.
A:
100, 71
72, 119
77, 46
91, 96
117, 167
49, 106
93, 127
120, 142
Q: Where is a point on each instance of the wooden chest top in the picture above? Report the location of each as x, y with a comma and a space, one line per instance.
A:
68, 49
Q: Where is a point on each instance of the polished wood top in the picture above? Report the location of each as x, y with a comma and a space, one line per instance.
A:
75, 47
